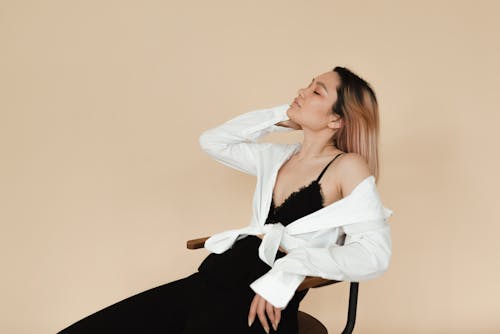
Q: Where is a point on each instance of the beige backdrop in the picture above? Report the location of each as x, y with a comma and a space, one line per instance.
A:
103, 180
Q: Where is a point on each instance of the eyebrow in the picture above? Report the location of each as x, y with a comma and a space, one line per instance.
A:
321, 84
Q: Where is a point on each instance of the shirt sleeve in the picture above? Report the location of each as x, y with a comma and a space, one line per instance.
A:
365, 255
233, 143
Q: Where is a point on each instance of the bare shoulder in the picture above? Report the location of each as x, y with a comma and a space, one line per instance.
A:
352, 169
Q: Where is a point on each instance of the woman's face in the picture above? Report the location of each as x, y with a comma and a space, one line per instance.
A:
312, 107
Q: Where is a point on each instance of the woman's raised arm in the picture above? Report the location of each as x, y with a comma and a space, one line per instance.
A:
233, 143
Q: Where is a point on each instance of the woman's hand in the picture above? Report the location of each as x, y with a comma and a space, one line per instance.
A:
290, 124
260, 306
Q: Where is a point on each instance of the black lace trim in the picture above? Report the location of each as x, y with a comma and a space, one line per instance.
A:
296, 193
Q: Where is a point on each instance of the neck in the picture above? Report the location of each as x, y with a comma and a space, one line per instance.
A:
315, 148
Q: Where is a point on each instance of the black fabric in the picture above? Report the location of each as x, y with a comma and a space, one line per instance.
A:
216, 298
301, 202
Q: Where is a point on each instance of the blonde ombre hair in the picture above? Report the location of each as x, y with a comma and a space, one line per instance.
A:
357, 105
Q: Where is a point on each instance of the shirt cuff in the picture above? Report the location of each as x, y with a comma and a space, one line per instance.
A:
277, 287
280, 114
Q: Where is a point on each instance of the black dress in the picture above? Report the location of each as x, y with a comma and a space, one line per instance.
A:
216, 298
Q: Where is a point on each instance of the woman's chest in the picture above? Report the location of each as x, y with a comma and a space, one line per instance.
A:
305, 184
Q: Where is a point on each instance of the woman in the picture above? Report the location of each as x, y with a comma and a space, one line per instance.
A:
300, 226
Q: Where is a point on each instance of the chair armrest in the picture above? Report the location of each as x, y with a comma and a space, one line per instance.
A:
315, 282
307, 283
196, 243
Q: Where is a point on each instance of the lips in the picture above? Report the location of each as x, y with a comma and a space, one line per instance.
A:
296, 102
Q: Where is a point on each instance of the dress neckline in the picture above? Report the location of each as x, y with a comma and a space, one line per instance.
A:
302, 188
297, 192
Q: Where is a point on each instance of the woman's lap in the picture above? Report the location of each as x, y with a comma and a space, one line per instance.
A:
214, 300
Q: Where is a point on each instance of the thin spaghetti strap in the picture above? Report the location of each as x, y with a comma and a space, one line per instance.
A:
324, 169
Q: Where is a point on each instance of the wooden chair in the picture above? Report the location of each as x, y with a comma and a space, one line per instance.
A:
307, 323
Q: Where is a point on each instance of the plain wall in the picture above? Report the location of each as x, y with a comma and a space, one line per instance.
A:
102, 179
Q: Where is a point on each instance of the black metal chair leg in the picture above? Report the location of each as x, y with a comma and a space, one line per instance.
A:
351, 312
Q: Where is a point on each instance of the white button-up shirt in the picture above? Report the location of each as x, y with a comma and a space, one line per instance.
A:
348, 240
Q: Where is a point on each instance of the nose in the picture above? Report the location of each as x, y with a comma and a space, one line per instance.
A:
300, 91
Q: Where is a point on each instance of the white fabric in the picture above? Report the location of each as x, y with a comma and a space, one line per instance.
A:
348, 240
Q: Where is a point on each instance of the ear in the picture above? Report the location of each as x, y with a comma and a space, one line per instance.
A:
341, 122
336, 123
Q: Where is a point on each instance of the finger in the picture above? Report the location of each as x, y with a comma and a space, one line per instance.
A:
270, 313
261, 313
277, 316
253, 310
